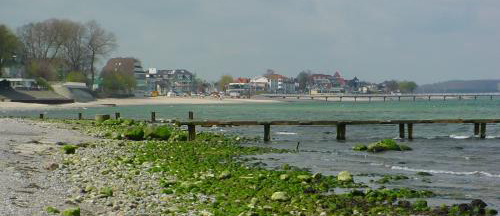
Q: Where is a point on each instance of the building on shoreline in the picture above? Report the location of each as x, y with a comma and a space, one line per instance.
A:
178, 81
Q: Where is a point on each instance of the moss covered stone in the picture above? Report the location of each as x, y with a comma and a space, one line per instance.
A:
52, 210
134, 133
344, 176
71, 212
69, 149
280, 196
359, 147
106, 191
157, 132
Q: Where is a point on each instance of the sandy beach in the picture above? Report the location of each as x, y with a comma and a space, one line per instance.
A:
131, 101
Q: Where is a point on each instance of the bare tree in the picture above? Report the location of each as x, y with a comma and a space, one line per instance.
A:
75, 47
99, 44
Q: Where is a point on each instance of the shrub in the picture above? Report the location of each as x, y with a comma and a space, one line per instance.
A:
76, 76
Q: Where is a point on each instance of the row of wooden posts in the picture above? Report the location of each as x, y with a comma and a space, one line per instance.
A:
384, 97
479, 124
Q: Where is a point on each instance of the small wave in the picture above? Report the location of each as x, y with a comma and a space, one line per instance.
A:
453, 136
476, 173
286, 133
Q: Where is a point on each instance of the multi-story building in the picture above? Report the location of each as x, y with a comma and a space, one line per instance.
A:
280, 84
163, 81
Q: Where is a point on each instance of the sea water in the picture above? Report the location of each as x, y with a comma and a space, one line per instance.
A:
463, 167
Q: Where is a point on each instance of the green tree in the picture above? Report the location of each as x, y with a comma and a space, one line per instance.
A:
407, 86
224, 81
391, 85
304, 79
76, 76
9, 45
117, 82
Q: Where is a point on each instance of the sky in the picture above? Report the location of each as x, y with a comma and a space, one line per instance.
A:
420, 40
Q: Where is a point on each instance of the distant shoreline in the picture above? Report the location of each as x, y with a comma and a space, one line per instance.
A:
8, 106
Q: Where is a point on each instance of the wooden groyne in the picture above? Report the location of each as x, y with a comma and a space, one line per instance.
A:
405, 126
384, 97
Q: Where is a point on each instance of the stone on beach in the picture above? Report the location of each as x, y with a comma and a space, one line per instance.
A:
280, 196
344, 176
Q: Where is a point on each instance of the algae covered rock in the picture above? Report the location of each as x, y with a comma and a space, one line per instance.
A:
106, 191
71, 212
134, 133
344, 176
101, 118
157, 132
305, 178
284, 176
52, 210
69, 149
384, 145
359, 147
280, 196
404, 147
224, 175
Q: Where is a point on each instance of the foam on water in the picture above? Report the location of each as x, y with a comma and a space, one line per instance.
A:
286, 133
453, 136
476, 173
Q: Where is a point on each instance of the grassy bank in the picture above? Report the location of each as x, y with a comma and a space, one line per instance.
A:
214, 176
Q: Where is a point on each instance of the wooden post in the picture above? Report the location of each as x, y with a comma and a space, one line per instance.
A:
341, 129
444, 97
355, 99
267, 132
402, 131
483, 130
399, 98
340, 98
410, 131
475, 97
429, 98
326, 99
384, 98
153, 116
414, 98
460, 97
80, 116
117, 115
191, 132
41, 115
476, 129
190, 115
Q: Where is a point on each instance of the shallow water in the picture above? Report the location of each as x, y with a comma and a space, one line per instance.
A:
463, 166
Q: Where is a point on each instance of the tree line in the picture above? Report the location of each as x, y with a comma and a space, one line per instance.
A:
57, 49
